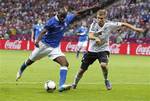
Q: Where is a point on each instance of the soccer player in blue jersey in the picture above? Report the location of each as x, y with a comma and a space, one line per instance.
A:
37, 28
48, 42
83, 38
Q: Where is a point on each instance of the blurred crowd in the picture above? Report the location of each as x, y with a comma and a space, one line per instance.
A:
18, 16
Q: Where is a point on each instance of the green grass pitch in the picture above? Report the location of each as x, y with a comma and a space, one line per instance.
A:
130, 77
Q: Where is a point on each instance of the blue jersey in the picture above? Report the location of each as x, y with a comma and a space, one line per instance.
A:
83, 33
37, 29
56, 30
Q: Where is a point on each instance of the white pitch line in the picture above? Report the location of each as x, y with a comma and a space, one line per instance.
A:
82, 83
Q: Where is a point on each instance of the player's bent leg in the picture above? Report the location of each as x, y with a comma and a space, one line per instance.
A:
78, 77
36, 54
105, 73
62, 61
87, 60
23, 67
104, 69
63, 73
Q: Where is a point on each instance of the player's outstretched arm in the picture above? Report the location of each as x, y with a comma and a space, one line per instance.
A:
40, 37
103, 4
140, 30
85, 12
32, 35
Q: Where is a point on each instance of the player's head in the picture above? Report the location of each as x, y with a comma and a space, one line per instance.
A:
101, 16
39, 21
84, 23
61, 14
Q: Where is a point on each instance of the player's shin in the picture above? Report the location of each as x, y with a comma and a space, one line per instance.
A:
105, 73
22, 68
63, 74
77, 78
104, 70
25, 65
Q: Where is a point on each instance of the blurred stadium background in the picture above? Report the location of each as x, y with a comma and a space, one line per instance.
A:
16, 20
18, 16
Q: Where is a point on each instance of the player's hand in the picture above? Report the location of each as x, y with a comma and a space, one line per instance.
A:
99, 33
36, 44
98, 41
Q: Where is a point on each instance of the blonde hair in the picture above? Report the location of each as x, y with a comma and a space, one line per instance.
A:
102, 12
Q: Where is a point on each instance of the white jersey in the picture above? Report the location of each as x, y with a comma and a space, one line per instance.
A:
105, 31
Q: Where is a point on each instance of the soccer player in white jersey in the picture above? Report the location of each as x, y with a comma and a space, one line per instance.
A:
99, 33
48, 42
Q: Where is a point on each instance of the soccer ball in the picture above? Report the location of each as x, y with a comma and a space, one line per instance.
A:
50, 86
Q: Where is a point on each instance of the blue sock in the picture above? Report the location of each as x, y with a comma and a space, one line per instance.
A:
23, 67
63, 74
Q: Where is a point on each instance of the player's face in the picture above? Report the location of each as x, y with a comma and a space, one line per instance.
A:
62, 17
40, 21
101, 19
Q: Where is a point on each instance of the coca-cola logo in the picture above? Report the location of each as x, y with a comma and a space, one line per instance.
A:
143, 50
13, 45
115, 48
71, 47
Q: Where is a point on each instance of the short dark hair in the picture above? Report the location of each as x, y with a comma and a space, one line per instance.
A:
62, 11
102, 12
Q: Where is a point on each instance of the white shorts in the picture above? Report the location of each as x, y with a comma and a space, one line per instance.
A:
45, 50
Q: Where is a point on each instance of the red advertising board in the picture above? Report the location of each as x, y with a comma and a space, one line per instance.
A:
140, 49
119, 48
68, 46
130, 49
13, 44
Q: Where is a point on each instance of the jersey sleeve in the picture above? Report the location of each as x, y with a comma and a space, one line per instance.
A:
115, 24
70, 17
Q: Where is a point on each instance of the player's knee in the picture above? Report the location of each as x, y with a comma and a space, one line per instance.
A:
65, 64
103, 65
81, 72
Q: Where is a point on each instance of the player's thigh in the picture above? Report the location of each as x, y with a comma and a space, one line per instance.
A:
62, 61
58, 56
56, 52
39, 53
103, 57
88, 59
